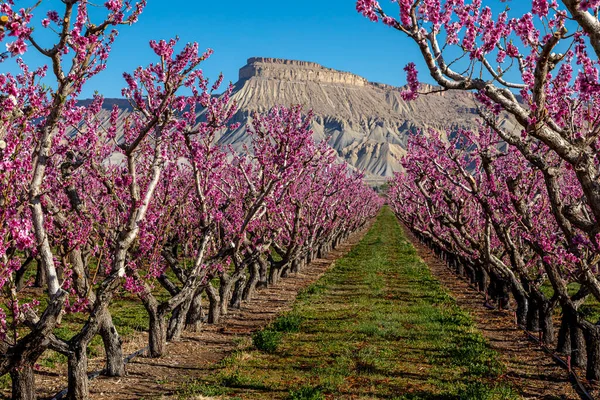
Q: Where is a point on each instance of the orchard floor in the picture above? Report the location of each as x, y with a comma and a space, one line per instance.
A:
197, 355
528, 368
378, 325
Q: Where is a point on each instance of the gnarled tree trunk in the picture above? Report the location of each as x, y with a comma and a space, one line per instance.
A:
250, 287
157, 334
238, 289
195, 313
115, 365
23, 383
77, 373
592, 342
178, 320
214, 314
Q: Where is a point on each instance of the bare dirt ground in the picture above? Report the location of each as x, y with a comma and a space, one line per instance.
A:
531, 371
196, 353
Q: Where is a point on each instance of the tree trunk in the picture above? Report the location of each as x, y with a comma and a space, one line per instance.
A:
564, 339
213, 304
533, 318
41, 280
195, 314
157, 334
459, 267
20, 274
274, 274
285, 271
225, 290
77, 373
23, 383
483, 280
502, 294
252, 281
295, 266
470, 272
547, 324
592, 342
522, 307
115, 363
578, 356
236, 297
263, 273
178, 320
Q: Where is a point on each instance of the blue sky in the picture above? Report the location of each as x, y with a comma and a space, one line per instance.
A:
329, 32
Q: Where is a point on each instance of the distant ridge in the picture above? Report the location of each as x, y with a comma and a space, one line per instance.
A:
366, 123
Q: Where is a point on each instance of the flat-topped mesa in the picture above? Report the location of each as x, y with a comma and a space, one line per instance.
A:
292, 70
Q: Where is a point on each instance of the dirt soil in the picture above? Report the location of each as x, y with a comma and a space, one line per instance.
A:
531, 371
196, 353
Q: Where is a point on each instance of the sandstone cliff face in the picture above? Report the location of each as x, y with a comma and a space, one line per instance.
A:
366, 123
280, 69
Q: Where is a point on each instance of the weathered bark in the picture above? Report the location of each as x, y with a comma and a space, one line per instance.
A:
285, 270
320, 252
213, 305
77, 373
178, 320
470, 273
592, 346
533, 318
502, 294
522, 307
252, 281
563, 345
547, 323
459, 267
578, 353
483, 280
295, 266
238, 289
274, 273
225, 291
263, 273
195, 314
23, 383
20, 274
29, 348
115, 365
157, 334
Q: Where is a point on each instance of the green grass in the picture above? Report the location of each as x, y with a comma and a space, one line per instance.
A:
288, 323
377, 325
266, 340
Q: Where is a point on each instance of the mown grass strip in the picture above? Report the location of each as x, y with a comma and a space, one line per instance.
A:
377, 325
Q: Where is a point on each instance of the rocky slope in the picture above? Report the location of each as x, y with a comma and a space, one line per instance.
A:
366, 123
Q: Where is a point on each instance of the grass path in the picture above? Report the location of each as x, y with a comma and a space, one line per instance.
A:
376, 326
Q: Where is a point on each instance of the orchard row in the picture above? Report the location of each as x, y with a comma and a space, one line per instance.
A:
516, 204
144, 199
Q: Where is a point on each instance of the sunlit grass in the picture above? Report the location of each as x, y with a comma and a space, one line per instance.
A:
378, 325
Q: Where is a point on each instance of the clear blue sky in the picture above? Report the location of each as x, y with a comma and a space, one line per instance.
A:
329, 32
